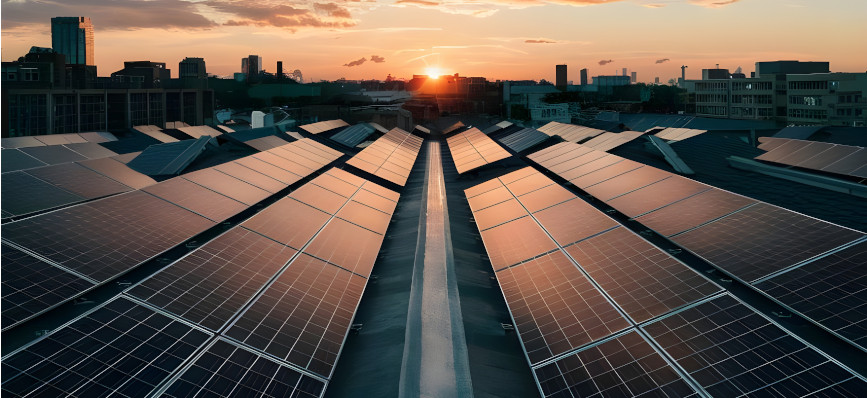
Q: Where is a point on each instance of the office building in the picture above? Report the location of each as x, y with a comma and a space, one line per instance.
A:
73, 37
634, 77
562, 75
584, 80
192, 68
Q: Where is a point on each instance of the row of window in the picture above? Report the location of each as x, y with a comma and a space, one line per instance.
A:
820, 114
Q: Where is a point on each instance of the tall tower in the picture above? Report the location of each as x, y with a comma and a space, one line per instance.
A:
584, 77
73, 37
561, 76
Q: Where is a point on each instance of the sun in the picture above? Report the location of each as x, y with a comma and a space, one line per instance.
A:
434, 72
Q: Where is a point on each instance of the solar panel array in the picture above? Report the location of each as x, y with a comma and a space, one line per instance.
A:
678, 133
588, 297
354, 135
472, 149
608, 141
453, 128
100, 240
822, 156
36, 156
321, 127
523, 139
390, 157
752, 241
261, 309
56, 139
570, 132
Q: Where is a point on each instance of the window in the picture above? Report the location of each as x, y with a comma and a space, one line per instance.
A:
30, 74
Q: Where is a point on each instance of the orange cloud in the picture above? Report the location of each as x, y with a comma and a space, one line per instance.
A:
539, 41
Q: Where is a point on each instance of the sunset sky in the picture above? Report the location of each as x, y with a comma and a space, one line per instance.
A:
497, 39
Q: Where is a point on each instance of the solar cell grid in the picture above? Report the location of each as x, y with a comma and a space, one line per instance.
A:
827, 157
227, 185
656, 195
282, 163
227, 370
373, 200
119, 172
303, 316
78, 180
516, 241
295, 157
499, 214
545, 197
289, 222
731, 350
14, 159
381, 191
54, 154
266, 143
23, 193
60, 139
569, 162
323, 126
602, 174
626, 182
555, 307
574, 220
347, 245
550, 152
196, 198
91, 150
251, 176
31, 286
314, 147
763, 239
365, 216
849, 164
300, 151
830, 291
121, 348
785, 149
318, 197
211, 284
105, 238
529, 184
642, 279
626, 366
335, 185
346, 176
694, 211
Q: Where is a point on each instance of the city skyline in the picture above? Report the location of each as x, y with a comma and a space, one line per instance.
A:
491, 38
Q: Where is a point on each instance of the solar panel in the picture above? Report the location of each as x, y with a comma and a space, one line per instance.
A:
98, 137
299, 156
731, 350
763, 239
555, 307
381, 191
227, 185
523, 139
574, 220
516, 241
422, 129
529, 184
335, 185
23, 193
694, 211
91, 150
823, 156
197, 199
353, 135
545, 197
225, 369
318, 197
211, 284
656, 195
643, 280
170, 158
321, 127
155, 133
608, 141
584, 167
570, 161
119, 172
288, 221
31, 286
365, 216
347, 246
678, 134
60, 139
390, 157
626, 182
303, 317
499, 214
270, 170
20, 142
78, 180
472, 149
122, 348
251, 176
375, 201
828, 291
54, 154
266, 143
605, 173
199, 131
14, 159
285, 164
626, 366
104, 238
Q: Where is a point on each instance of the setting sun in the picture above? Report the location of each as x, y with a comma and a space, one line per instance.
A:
433, 72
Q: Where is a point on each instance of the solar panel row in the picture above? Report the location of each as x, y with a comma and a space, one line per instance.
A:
289, 314
390, 157
570, 132
678, 133
523, 139
321, 127
608, 141
354, 135
472, 149
823, 156
743, 237
103, 239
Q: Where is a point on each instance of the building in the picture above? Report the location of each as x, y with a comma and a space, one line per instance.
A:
193, 68
584, 80
605, 84
634, 77
835, 99
146, 73
252, 66
625, 72
562, 75
73, 37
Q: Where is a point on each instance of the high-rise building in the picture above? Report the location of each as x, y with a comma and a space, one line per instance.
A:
192, 68
625, 73
584, 77
561, 76
73, 37
279, 69
634, 77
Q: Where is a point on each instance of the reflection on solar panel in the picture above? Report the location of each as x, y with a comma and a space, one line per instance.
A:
199, 131
608, 141
516, 241
53, 154
828, 291
251, 176
763, 239
289, 222
155, 133
642, 279
266, 143
731, 350
656, 195
169, 159
555, 307
678, 133
303, 316
573, 221
196, 198
119, 172
626, 366
14, 159
570, 132
23, 193
353, 135
79, 180
347, 245
321, 127
694, 211
523, 139
497, 127
472, 149
227, 370
31, 286
89, 358
822, 156
453, 128
211, 284
227, 185
390, 157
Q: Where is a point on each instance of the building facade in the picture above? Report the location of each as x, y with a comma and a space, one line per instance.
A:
73, 37
562, 76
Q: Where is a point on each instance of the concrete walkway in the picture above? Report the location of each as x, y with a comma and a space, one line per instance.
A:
435, 360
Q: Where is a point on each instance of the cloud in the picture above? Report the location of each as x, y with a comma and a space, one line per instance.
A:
662, 61
539, 41
418, 2
108, 14
654, 5
713, 3
376, 59
605, 62
333, 10
356, 62
281, 15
